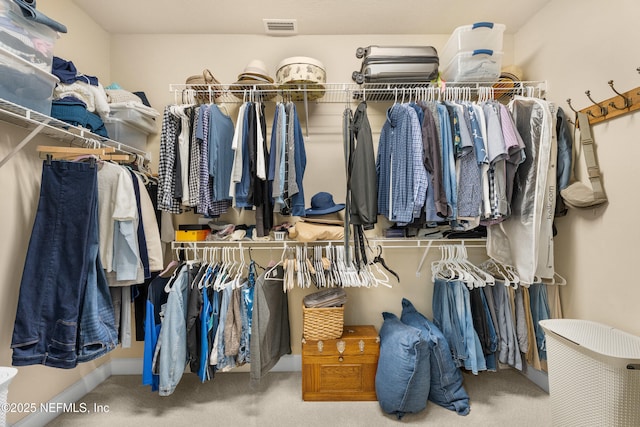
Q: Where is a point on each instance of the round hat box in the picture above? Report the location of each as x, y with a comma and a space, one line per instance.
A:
302, 71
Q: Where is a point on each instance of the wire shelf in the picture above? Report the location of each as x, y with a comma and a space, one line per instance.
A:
349, 92
42, 124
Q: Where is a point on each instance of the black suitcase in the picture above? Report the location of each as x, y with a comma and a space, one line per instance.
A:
388, 64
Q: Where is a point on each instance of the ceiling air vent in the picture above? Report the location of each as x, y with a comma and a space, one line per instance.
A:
280, 27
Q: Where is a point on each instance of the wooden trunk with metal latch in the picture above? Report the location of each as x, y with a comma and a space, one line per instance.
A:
343, 368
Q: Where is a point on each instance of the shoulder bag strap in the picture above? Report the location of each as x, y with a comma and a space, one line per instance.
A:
588, 151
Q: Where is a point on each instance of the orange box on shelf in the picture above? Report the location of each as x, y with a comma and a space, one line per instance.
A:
191, 235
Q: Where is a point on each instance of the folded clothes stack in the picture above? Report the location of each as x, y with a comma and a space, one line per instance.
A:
330, 297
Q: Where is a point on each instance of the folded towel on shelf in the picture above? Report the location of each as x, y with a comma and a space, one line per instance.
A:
75, 113
94, 97
122, 95
149, 111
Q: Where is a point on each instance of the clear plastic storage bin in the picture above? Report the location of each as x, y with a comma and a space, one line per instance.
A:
135, 117
481, 35
481, 65
25, 84
30, 40
123, 131
594, 374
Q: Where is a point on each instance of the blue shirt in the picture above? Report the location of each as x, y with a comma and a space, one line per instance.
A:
300, 158
221, 130
395, 164
448, 161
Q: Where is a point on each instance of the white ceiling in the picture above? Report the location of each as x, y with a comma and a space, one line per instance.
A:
313, 16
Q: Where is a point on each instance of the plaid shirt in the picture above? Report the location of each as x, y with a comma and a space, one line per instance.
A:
194, 159
167, 164
394, 164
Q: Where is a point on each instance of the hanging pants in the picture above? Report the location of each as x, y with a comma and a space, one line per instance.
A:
64, 313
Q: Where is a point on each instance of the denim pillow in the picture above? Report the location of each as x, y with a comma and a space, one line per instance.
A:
402, 378
446, 379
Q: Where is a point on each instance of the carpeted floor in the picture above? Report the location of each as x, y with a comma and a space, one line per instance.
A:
505, 398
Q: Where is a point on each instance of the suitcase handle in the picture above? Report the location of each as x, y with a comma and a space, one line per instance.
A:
482, 52
482, 25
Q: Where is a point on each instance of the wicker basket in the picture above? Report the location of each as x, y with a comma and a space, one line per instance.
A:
322, 323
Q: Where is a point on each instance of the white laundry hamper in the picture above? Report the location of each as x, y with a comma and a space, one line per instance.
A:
6, 375
594, 374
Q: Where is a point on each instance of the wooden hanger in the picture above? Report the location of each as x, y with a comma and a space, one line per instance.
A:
70, 153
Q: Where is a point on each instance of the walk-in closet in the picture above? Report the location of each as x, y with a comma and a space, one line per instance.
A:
265, 234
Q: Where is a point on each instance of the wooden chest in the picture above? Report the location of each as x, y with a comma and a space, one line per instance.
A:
343, 368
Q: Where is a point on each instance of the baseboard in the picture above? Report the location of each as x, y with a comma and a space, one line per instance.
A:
128, 366
539, 378
133, 366
289, 363
70, 395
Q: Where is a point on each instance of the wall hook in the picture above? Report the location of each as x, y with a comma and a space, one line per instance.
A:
627, 101
571, 106
603, 110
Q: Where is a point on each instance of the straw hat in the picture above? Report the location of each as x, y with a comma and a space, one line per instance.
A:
254, 75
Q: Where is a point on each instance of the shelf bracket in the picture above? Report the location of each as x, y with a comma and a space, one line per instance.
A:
424, 256
25, 141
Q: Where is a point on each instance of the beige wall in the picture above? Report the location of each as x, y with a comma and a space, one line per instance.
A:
580, 45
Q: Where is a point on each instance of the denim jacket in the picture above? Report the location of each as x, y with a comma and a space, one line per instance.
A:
565, 144
173, 334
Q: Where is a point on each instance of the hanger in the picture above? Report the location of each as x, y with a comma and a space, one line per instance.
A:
505, 273
268, 272
68, 153
379, 260
561, 282
252, 260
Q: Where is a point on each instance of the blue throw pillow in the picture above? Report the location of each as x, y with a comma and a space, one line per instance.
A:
446, 379
402, 378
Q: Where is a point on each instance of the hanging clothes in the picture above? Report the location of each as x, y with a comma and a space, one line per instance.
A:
452, 315
167, 163
196, 160
220, 137
270, 333
362, 177
156, 298
64, 314
172, 342
435, 203
468, 172
395, 164
518, 241
287, 161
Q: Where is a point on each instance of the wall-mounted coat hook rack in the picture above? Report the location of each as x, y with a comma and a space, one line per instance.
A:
571, 106
621, 103
574, 110
627, 101
603, 110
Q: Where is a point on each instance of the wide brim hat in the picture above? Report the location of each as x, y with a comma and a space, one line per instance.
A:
509, 82
322, 204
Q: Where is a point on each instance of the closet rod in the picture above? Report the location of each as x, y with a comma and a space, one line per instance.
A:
383, 243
